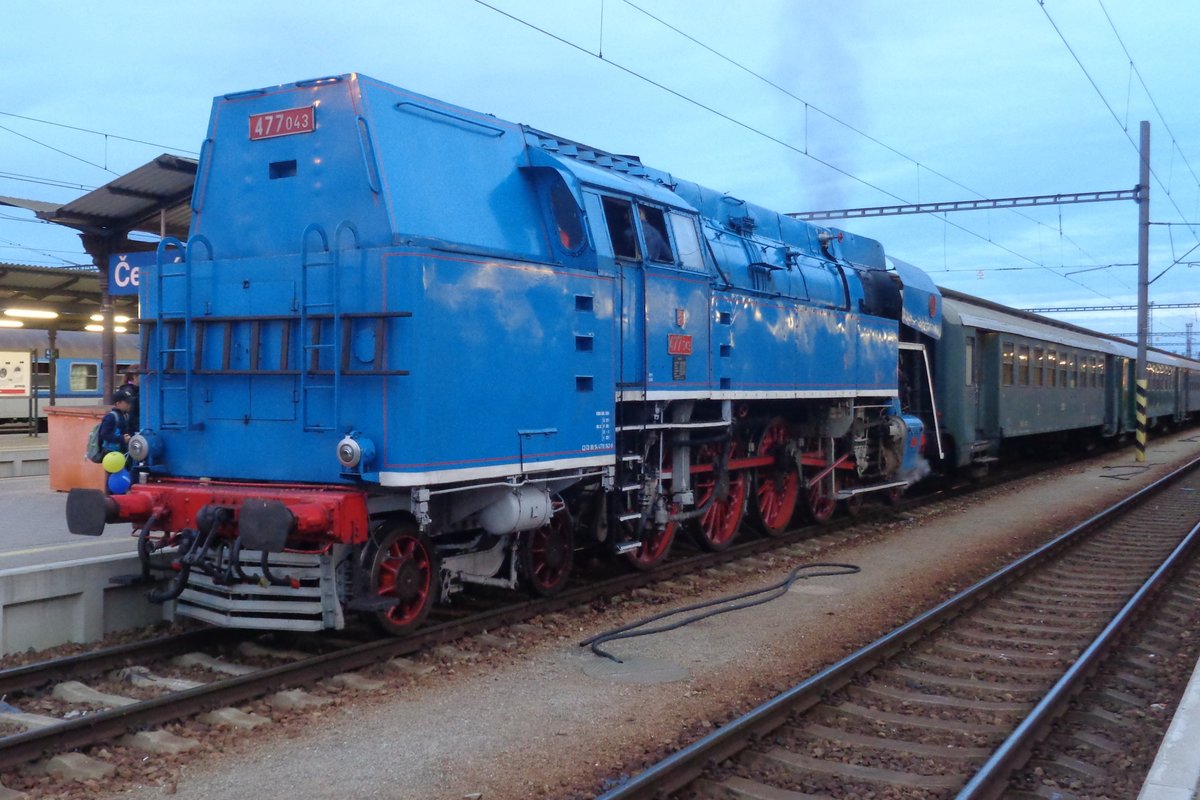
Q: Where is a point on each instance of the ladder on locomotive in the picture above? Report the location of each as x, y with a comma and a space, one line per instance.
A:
324, 330
165, 329
336, 350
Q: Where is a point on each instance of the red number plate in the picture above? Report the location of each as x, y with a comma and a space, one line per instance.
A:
679, 344
283, 123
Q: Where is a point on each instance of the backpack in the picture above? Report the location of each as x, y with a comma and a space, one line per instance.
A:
95, 448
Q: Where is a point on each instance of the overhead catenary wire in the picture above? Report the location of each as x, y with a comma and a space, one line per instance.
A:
1103, 99
100, 133
809, 106
770, 137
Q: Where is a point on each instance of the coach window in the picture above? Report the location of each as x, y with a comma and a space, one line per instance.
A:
1006, 364
970, 365
1039, 364
1073, 371
569, 227
687, 242
1023, 365
618, 215
1062, 370
1052, 367
1100, 372
85, 377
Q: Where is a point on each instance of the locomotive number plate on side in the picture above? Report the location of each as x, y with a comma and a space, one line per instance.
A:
283, 123
679, 344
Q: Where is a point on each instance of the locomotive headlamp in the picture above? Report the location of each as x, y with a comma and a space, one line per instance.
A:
145, 446
355, 451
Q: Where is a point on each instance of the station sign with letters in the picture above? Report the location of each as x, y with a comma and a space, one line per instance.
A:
125, 271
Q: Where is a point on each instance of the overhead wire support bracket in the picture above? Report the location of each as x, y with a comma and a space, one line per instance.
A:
972, 205
1129, 307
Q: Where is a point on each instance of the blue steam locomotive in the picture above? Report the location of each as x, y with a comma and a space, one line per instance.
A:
410, 347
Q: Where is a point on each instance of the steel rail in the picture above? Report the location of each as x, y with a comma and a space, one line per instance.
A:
31, 676
683, 766
991, 780
102, 726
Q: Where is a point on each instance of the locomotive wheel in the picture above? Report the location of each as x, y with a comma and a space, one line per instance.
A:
853, 505
819, 500
656, 544
776, 488
718, 526
546, 555
402, 565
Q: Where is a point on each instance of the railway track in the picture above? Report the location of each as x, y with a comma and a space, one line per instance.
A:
44, 736
953, 702
105, 724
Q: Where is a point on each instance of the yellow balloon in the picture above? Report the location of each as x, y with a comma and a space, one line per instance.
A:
114, 462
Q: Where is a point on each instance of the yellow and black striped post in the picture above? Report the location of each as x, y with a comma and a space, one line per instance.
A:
1140, 444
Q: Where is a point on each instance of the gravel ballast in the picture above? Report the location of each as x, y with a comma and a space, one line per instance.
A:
529, 721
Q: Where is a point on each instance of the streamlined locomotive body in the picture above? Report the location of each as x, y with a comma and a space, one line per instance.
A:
410, 347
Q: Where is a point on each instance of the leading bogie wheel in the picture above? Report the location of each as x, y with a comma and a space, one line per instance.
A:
402, 565
546, 554
776, 488
820, 499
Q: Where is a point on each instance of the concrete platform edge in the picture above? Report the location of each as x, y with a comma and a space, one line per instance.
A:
1175, 774
73, 601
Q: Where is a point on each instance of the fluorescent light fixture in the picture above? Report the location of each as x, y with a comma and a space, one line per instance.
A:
97, 318
30, 313
94, 328
11, 323
120, 319
120, 329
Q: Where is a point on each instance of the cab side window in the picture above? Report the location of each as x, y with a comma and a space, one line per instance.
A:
687, 242
568, 225
618, 216
654, 231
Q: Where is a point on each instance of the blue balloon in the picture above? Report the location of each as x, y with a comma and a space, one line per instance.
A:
119, 482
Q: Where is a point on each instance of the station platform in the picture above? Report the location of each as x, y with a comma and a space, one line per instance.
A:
23, 455
35, 528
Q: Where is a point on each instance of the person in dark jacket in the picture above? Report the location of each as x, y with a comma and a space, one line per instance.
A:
114, 428
131, 388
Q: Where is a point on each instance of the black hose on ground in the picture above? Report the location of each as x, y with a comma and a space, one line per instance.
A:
763, 595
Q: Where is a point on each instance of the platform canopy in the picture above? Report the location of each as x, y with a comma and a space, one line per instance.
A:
72, 292
155, 199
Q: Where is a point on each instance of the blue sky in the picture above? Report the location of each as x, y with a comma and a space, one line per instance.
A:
957, 100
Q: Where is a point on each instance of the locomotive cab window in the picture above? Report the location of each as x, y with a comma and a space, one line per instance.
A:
568, 226
687, 241
618, 216
654, 232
